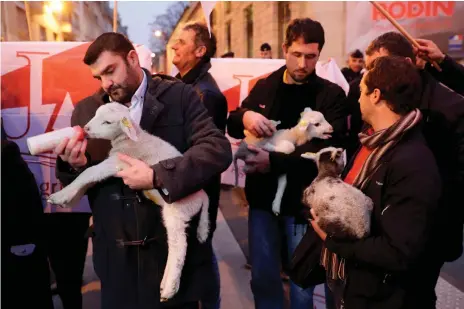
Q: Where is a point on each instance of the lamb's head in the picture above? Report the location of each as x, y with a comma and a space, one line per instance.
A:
330, 161
314, 125
110, 121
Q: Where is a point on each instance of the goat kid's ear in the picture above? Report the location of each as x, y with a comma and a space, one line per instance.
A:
129, 129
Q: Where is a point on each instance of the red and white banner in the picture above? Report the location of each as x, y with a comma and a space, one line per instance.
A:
436, 20
42, 81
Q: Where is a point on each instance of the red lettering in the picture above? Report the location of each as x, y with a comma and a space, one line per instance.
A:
414, 9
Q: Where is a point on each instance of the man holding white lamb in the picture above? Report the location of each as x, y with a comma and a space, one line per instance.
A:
283, 96
130, 239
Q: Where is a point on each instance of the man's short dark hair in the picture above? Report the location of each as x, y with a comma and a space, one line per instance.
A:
357, 54
111, 41
203, 38
398, 80
265, 47
395, 43
310, 30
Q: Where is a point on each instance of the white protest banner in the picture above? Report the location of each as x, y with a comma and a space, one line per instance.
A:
40, 84
435, 20
42, 81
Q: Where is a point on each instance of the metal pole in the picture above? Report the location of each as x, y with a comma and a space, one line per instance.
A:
115, 16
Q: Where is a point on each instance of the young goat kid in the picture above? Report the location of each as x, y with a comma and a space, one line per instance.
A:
342, 210
312, 124
112, 122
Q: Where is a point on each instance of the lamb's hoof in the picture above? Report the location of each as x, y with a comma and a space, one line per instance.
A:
168, 293
163, 300
59, 198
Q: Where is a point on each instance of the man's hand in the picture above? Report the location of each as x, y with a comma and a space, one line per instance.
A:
316, 227
428, 50
138, 175
259, 162
73, 151
257, 124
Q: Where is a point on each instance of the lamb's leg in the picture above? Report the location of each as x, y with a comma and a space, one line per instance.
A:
69, 194
281, 185
176, 223
203, 225
285, 147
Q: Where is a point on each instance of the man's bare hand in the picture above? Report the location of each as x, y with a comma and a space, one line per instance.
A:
257, 124
259, 162
73, 151
138, 175
428, 50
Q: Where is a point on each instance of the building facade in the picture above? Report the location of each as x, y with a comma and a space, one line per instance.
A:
242, 26
56, 20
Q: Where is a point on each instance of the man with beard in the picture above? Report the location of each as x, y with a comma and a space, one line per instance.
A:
283, 96
130, 247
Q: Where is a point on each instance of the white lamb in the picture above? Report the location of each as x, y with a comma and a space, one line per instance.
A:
342, 210
312, 124
112, 122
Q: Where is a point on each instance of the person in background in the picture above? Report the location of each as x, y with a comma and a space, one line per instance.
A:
193, 51
391, 268
283, 95
25, 270
265, 51
355, 66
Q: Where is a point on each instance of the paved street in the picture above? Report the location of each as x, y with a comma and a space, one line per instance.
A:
230, 244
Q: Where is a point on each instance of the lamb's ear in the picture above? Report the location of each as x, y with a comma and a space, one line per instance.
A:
309, 155
128, 128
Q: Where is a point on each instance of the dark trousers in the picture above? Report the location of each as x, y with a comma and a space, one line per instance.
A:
26, 280
192, 305
67, 249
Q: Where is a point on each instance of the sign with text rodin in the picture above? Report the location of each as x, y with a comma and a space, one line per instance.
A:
420, 18
42, 81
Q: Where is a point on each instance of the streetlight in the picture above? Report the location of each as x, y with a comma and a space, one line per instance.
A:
158, 33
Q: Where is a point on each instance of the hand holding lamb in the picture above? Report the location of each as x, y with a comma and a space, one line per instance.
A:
342, 210
112, 122
312, 124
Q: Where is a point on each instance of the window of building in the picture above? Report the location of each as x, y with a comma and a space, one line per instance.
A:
212, 19
229, 36
249, 30
283, 16
43, 33
227, 7
21, 23
55, 36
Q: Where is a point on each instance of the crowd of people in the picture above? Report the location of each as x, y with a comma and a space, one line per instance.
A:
402, 125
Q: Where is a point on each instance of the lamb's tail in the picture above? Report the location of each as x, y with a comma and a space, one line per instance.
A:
203, 225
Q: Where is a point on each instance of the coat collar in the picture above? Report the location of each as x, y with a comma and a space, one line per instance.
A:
152, 107
196, 73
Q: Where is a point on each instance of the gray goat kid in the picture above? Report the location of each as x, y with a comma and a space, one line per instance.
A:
112, 122
312, 124
342, 210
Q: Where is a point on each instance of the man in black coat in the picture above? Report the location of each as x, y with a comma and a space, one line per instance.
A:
443, 129
283, 95
192, 54
129, 240
393, 267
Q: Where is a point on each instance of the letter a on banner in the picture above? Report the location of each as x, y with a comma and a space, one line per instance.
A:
208, 7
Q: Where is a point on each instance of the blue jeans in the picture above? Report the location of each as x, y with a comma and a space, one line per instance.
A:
266, 283
212, 300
